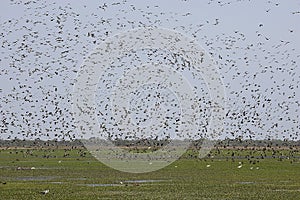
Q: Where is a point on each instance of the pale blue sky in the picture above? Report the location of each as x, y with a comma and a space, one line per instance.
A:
255, 43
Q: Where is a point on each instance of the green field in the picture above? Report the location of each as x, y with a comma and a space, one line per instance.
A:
75, 174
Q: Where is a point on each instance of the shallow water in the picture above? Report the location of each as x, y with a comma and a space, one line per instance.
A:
245, 182
57, 182
121, 183
144, 181
99, 185
36, 178
287, 190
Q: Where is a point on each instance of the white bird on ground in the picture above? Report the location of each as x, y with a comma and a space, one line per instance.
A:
45, 192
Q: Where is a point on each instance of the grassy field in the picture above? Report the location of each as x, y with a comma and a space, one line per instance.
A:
225, 174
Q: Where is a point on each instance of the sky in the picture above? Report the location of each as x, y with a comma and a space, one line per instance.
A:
255, 44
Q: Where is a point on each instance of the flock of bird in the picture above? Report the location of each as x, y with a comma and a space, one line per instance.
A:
41, 53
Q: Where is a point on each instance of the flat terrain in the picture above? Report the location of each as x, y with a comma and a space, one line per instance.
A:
225, 174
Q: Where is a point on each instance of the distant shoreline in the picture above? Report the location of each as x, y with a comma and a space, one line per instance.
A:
144, 144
